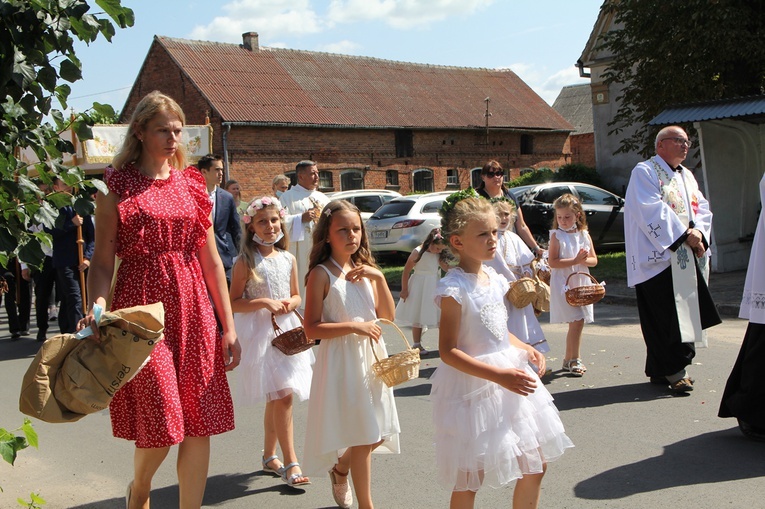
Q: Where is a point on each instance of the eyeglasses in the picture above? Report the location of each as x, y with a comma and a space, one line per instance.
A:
495, 174
680, 141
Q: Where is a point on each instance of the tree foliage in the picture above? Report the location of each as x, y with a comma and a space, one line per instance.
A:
669, 53
37, 63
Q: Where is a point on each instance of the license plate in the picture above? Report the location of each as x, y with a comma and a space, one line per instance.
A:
380, 234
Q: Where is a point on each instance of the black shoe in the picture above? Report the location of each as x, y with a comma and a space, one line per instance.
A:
25, 332
42, 335
15, 336
751, 432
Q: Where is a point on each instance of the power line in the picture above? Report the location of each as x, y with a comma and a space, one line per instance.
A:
98, 93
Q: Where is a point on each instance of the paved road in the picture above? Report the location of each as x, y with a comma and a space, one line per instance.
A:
636, 445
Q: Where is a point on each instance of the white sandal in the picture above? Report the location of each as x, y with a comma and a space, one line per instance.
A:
269, 470
574, 367
292, 479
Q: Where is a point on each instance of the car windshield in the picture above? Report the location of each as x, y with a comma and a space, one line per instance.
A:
393, 209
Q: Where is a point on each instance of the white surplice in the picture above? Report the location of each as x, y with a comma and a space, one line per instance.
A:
651, 225
753, 300
297, 200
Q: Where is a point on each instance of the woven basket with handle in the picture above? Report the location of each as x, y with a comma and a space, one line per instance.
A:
584, 295
397, 368
292, 341
522, 292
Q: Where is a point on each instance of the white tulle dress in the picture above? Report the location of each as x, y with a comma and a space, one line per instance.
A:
418, 309
348, 404
265, 373
560, 310
486, 435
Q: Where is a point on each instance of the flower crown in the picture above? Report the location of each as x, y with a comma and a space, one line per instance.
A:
503, 199
259, 204
453, 198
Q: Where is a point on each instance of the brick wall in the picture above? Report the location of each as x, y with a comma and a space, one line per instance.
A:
583, 149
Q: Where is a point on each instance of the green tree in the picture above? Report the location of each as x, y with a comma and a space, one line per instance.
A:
37, 61
676, 52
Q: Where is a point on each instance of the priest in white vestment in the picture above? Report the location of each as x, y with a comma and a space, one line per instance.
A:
303, 203
744, 396
667, 227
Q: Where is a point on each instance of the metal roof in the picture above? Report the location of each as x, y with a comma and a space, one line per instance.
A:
282, 86
751, 109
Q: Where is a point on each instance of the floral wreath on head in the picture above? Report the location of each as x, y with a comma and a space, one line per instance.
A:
453, 198
261, 203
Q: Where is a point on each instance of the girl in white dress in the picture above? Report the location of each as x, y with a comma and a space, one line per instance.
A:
264, 282
512, 260
351, 412
494, 420
415, 308
571, 250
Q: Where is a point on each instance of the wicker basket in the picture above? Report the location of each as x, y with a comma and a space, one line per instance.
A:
522, 292
292, 341
541, 270
542, 301
584, 295
400, 367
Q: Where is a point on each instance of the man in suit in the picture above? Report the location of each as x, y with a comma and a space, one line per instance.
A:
225, 218
66, 260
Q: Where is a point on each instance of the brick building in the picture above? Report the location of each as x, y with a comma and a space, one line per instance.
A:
369, 123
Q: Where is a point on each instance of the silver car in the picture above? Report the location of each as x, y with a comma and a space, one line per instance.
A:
367, 200
403, 223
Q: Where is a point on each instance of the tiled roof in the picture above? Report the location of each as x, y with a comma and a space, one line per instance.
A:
750, 108
574, 103
281, 86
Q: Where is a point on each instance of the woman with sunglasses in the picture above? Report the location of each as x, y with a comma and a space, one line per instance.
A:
493, 186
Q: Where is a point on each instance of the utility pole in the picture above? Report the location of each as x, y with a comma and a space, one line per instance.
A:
487, 115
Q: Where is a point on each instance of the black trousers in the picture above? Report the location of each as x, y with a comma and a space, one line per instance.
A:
744, 395
18, 312
666, 354
70, 312
45, 284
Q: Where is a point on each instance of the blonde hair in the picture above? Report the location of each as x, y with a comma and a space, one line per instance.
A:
569, 201
458, 217
153, 103
503, 205
247, 245
321, 250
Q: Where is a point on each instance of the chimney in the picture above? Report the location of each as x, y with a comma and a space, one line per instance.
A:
250, 40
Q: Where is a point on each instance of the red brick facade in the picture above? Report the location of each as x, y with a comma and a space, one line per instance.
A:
254, 154
583, 149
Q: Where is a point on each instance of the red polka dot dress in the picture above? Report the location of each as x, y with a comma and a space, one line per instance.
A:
182, 391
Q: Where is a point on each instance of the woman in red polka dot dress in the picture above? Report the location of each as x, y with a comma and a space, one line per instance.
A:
156, 219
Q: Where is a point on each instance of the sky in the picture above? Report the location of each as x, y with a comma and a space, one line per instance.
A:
540, 40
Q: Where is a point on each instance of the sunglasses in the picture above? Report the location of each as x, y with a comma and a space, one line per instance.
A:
495, 174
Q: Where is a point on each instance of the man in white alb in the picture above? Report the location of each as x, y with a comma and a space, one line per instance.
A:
667, 227
303, 203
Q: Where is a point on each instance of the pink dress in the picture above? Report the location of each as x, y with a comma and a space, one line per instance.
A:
182, 391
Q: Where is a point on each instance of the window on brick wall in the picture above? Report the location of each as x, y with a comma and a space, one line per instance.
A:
351, 179
422, 181
404, 143
527, 144
325, 181
452, 178
391, 178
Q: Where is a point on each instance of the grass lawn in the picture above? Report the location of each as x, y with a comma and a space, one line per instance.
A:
610, 266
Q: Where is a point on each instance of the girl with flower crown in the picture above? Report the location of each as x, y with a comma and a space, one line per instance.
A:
415, 307
264, 282
494, 421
